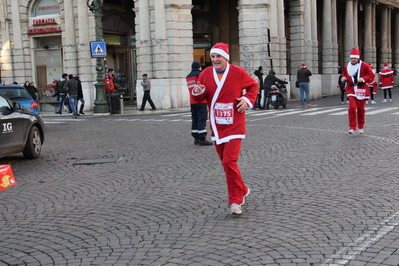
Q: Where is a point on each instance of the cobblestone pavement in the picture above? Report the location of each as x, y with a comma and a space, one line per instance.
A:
134, 190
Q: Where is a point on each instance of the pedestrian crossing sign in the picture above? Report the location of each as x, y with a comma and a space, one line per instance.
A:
98, 49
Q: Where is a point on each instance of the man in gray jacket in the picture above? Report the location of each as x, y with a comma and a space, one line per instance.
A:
146, 97
72, 90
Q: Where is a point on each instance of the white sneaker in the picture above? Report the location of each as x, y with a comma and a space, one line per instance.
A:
347, 101
342, 102
361, 131
367, 102
235, 208
351, 131
390, 100
246, 195
384, 101
373, 102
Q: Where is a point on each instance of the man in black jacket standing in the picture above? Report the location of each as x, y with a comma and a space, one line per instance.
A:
270, 80
72, 90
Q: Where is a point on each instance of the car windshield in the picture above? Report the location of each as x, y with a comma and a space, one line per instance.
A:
15, 93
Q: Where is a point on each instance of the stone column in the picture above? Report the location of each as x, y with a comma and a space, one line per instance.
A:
143, 36
395, 61
369, 34
69, 43
327, 45
7, 72
297, 36
385, 32
315, 43
86, 65
334, 35
21, 67
355, 24
278, 43
253, 24
160, 43
349, 34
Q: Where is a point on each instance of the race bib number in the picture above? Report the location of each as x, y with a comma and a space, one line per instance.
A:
360, 93
224, 113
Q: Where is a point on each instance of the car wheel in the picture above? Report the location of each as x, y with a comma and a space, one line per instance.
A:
33, 145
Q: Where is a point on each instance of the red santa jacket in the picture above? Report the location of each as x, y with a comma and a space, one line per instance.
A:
361, 90
226, 122
386, 78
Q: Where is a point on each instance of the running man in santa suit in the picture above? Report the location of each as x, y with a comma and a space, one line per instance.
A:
222, 86
386, 82
357, 74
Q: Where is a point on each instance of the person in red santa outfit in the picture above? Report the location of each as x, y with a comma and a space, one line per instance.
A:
222, 86
357, 74
386, 82
373, 87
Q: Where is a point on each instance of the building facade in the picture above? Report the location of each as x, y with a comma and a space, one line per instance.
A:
41, 39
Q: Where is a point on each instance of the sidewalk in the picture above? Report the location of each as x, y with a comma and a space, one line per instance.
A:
127, 110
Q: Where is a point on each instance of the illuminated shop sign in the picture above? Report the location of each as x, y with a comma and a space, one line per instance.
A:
44, 30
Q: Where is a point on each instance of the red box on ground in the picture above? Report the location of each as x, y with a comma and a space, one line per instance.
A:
7, 178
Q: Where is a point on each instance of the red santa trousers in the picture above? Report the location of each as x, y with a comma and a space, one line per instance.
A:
228, 153
356, 113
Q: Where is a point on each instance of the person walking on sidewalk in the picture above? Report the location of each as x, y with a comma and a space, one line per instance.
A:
302, 77
199, 110
72, 91
386, 82
61, 93
146, 97
357, 74
80, 96
222, 86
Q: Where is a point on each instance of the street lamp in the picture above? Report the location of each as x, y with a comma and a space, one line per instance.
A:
100, 105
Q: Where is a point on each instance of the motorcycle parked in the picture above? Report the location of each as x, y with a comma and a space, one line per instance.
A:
278, 95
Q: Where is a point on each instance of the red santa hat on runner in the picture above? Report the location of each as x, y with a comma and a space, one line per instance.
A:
303, 66
222, 49
386, 65
355, 53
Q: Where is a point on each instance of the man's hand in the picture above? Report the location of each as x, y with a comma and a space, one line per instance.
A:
242, 105
199, 88
343, 79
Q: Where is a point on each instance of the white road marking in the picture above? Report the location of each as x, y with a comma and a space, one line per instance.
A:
350, 252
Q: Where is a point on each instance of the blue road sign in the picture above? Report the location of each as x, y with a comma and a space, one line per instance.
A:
98, 49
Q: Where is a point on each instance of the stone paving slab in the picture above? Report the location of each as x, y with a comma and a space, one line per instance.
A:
318, 195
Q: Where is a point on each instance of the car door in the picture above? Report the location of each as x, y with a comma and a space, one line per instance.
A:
12, 139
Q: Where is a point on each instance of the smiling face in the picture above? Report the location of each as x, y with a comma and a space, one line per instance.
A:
219, 62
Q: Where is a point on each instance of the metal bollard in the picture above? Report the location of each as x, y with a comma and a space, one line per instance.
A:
121, 102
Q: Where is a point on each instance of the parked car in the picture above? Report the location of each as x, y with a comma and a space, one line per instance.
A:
19, 94
21, 130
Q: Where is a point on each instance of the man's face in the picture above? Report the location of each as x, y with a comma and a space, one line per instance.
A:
218, 62
354, 61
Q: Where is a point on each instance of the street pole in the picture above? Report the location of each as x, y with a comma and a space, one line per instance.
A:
100, 105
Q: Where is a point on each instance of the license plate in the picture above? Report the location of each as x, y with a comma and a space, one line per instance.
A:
274, 98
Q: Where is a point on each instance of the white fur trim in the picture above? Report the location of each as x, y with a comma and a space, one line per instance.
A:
221, 52
354, 56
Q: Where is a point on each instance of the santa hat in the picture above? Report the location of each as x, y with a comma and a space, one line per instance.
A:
385, 64
303, 66
222, 49
355, 53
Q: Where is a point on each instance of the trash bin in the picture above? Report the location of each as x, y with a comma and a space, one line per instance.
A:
115, 104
